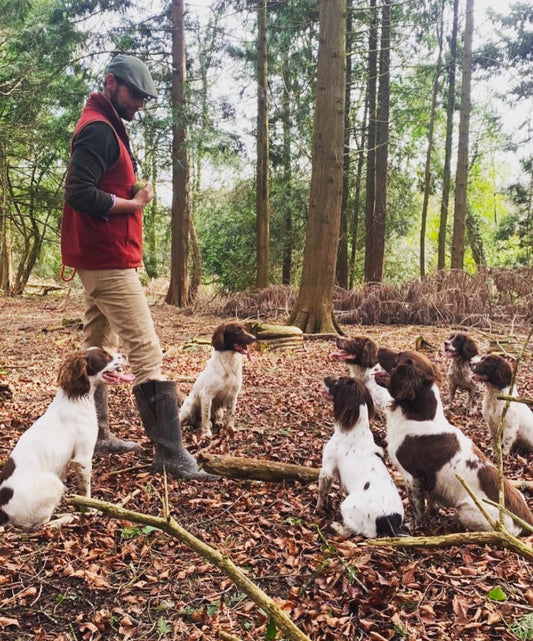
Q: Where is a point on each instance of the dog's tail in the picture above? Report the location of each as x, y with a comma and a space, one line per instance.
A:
389, 525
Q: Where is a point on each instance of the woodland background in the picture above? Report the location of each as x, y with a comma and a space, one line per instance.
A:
430, 231
100, 578
432, 176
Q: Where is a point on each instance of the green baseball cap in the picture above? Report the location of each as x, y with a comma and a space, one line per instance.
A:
133, 71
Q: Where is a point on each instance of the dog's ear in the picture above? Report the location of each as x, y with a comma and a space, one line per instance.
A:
469, 348
73, 378
501, 371
369, 357
369, 404
217, 340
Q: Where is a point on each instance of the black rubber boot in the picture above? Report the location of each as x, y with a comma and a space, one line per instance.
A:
108, 443
158, 406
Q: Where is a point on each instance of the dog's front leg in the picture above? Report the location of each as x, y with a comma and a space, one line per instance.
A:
206, 404
232, 408
324, 485
417, 500
82, 474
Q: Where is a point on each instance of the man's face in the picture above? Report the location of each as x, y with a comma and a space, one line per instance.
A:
126, 100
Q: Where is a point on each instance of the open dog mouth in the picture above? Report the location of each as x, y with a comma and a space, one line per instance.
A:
341, 355
382, 377
116, 377
243, 349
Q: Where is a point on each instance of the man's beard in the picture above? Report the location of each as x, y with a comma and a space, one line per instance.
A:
121, 111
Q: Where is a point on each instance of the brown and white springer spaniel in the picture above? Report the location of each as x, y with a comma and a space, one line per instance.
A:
429, 452
496, 373
63, 438
218, 385
362, 355
460, 349
372, 506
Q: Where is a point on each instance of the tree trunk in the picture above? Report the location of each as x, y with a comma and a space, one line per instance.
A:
429, 152
461, 176
262, 186
342, 251
382, 151
313, 311
371, 142
354, 231
6, 265
446, 172
287, 173
178, 292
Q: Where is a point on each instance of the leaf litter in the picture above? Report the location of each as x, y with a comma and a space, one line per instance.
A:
100, 578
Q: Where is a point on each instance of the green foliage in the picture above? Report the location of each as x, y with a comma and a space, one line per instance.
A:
226, 229
523, 628
497, 594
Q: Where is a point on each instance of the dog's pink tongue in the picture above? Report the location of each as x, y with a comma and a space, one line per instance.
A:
334, 355
249, 356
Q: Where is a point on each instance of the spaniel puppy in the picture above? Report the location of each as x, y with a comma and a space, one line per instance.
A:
496, 374
362, 356
218, 385
429, 452
372, 506
460, 349
63, 438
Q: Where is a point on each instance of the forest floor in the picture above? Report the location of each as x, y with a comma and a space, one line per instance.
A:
102, 578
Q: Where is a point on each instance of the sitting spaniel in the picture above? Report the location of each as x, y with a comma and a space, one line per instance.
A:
362, 356
218, 385
429, 452
63, 438
495, 372
372, 506
460, 349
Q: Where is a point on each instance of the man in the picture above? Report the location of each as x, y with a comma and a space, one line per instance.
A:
101, 237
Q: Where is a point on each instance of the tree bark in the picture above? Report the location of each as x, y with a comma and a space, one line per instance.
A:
313, 311
371, 90
262, 175
461, 176
178, 291
429, 151
446, 171
382, 151
257, 469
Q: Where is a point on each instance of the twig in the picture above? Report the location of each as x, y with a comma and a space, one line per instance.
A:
221, 561
503, 539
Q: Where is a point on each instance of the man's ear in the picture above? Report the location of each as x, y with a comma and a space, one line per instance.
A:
110, 81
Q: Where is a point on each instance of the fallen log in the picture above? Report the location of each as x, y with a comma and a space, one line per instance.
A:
256, 469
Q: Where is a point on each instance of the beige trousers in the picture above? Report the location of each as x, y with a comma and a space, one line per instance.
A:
116, 308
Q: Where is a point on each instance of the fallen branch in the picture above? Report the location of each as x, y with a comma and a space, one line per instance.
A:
256, 469
515, 399
502, 539
221, 561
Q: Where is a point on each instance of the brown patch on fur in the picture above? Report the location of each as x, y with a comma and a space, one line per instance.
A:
75, 370
348, 396
514, 501
363, 351
410, 385
227, 335
387, 358
463, 346
423, 456
6, 493
494, 370
7, 470
73, 378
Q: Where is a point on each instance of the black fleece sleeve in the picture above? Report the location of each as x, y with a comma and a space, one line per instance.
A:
95, 149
